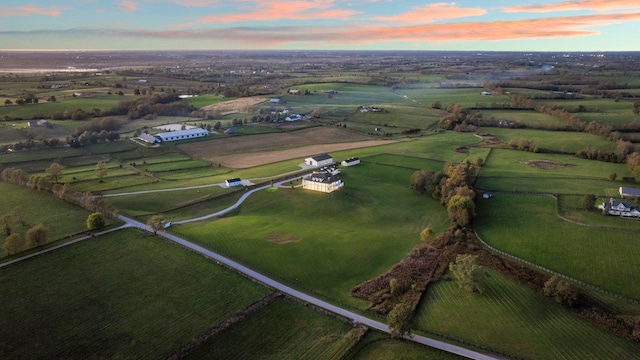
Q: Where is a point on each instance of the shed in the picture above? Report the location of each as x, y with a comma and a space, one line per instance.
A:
629, 192
233, 182
351, 161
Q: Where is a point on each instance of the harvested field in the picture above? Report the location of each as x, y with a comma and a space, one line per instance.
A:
234, 106
253, 150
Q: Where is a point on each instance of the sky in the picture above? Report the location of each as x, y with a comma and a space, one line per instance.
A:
494, 25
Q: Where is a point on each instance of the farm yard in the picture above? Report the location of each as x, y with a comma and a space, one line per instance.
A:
144, 298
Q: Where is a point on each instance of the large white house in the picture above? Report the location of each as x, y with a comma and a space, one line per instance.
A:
182, 134
319, 160
619, 208
322, 181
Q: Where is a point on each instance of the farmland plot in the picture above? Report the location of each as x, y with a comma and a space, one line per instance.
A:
281, 330
513, 320
126, 295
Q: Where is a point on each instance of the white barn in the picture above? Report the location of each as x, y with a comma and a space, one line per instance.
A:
233, 182
351, 161
182, 134
319, 160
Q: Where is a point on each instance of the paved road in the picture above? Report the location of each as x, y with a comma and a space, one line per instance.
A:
354, 317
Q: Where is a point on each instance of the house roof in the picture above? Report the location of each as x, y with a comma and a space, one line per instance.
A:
323, 177
182, 132
629, 191
321, 157
353, 159
233, 180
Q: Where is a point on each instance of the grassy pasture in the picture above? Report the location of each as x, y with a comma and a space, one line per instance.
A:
44, 154
207, 99
554, 140
465, 97
44, 109
381, 223
10, 134
145, 204
281, 330
405, 162
59, 217
113, 147
512, 319
605, 111
398, 115
530, 118
601, 257
378, 346
122, 296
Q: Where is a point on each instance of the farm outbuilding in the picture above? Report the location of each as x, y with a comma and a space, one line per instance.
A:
182, 134
629, 192
233, 182
148, 138
319, 160
351, 161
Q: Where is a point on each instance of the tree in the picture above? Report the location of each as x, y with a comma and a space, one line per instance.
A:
101, 170
422, 181
589, 202
8, 102
468, 273
399, 320
561, 291
156, 223
426, 233
55, 171
13, 244
633, 162
95, 221
613, 176
7, 224
37, 235
461, 210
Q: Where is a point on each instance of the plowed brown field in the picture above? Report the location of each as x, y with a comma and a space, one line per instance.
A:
241, 152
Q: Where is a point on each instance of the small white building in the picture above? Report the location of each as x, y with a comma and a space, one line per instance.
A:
148, 138
293, 118
351, 161
233, 182
274, 101
182, 134
319, 160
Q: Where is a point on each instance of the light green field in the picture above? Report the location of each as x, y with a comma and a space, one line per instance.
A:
380, 222
123, 296
465, 97
59, 217
51, 154
510, 319
609, 259
604, 111
564, 141
530, 118
281, 330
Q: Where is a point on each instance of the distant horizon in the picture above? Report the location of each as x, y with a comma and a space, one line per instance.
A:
329, 25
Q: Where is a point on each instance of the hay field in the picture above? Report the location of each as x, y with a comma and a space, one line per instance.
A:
234, 106
247, 151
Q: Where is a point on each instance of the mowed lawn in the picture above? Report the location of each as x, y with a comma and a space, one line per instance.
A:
327, 242
126, 295
527, 226
510, 319
59, 217
281, 330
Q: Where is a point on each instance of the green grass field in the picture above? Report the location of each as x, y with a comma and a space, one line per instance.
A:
123, 296
530, 118
511, 319
378, 346
365, 228
281, 330
59, 217
554, 140
606, 258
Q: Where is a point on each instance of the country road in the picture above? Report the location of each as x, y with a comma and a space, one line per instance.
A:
354, 317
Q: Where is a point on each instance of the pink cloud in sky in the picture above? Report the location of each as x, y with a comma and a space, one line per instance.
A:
278, 10
431, 13
265, 37
593, 5
26, 10
127, 5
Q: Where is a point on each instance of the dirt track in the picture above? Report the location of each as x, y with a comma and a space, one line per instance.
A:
252, 150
